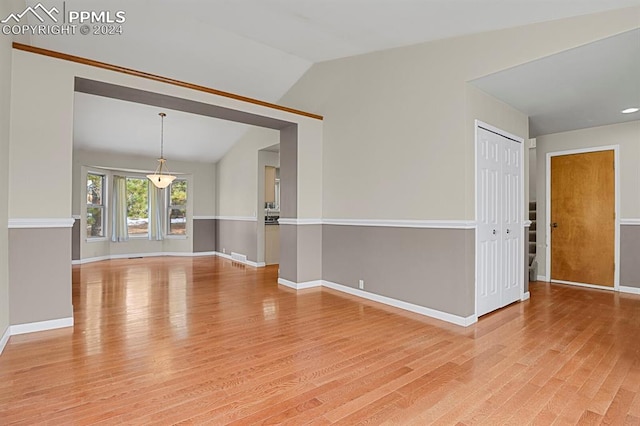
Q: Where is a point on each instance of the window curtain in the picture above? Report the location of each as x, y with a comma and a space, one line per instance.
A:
120, 230
155, 213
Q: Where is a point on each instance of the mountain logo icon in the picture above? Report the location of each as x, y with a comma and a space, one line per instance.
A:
38, 11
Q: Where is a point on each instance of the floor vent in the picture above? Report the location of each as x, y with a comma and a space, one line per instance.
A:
238, 257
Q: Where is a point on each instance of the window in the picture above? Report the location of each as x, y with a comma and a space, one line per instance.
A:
95, 205
177, 208
137, 206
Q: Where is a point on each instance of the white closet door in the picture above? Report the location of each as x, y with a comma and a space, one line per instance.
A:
499, 201
511, 207
488, 292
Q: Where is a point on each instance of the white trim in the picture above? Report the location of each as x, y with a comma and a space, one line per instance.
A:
238, 218
629, 221
632, 290
527, 223
5, 339
90, 260
448, 224
41, 222
96, 239
297, 221
500, 132
444, 316
33, 327
76, 216
247, 262
300, 286
203, 253
134, 255
525, 296
204, 217
541, 278
599, 287
547, 233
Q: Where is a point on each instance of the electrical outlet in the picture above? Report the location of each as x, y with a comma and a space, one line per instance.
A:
361, 284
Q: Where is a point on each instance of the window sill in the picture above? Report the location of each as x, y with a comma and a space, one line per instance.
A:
176, 237
97, 240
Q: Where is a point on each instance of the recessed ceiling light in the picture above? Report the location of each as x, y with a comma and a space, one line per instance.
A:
630, 110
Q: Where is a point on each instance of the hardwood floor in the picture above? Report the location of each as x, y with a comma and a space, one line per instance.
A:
207, 341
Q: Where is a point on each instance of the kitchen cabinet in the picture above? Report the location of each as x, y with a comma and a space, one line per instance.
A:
269, 184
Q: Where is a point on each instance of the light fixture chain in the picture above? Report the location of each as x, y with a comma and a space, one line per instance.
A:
162, 135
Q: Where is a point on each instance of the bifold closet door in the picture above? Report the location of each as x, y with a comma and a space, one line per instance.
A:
499, 211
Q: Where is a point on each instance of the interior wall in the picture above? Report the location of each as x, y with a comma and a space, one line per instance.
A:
395, 121
5, 112
399, 144
41, 138
237, 174
627, 136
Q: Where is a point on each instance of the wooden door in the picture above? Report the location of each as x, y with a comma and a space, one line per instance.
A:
583, 218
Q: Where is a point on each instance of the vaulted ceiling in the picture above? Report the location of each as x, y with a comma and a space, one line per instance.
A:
260, 48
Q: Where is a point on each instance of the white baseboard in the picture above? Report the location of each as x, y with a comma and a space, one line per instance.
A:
525, 296
598, 287
32, 327
300, 286
632, 290
130, 255
5, 339
541, 278
433, 313
246, 262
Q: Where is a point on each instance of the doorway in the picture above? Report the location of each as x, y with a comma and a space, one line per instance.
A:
582, 206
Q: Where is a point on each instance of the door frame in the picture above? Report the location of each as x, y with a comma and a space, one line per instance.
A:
477, 125
616, 203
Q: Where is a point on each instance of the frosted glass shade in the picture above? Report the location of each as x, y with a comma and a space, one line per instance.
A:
161, 181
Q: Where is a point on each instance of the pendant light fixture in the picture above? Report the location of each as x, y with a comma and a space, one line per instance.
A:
160, 179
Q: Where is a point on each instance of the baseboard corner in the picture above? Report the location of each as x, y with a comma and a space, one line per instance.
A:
5, 339
630, 290
33, 327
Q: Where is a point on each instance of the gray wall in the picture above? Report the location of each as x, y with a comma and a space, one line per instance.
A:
239, 236
427, 267
630, 256
40, 274
288, 252
75, 240
204, 235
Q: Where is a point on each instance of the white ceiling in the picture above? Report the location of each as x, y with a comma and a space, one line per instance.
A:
260, 48
587, 86
106, 124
